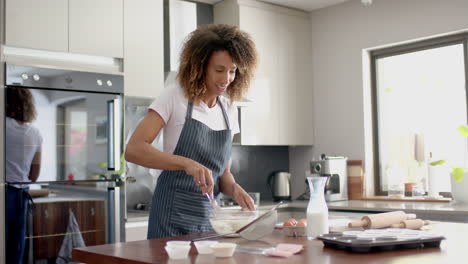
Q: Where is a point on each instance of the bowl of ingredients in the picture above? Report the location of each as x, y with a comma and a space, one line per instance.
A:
228, 221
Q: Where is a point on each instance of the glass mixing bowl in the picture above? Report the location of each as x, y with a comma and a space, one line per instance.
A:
228, 221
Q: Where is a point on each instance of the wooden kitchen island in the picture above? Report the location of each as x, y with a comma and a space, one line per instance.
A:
452, 250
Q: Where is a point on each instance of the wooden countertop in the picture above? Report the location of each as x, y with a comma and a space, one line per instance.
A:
452, 250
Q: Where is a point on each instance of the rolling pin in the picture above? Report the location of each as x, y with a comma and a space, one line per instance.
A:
411, 224
382, 220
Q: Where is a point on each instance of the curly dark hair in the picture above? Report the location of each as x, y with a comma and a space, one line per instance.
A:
200, 46
20, 104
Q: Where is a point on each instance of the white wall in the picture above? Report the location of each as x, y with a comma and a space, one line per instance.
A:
339, 35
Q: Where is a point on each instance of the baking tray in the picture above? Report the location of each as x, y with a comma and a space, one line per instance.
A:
372, 240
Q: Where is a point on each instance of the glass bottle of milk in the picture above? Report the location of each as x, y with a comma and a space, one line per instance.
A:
317, 210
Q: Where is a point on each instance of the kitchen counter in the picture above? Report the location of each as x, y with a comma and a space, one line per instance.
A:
54, 199
152, 251
437, 211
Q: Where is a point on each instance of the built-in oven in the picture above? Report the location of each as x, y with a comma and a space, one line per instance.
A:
68, 126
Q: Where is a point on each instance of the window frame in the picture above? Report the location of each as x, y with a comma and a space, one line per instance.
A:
399, 50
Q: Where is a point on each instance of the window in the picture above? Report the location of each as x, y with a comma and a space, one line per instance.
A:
419, 101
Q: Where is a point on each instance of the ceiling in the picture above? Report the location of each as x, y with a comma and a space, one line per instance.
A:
307, 5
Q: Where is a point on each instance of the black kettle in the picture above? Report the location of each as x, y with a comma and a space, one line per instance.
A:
280, 185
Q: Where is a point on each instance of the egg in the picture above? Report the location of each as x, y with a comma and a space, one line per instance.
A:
290, 222
302, 223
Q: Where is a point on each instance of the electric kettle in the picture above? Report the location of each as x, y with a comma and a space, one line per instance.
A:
280, 185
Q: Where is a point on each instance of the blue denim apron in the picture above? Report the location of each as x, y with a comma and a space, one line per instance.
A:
178, 206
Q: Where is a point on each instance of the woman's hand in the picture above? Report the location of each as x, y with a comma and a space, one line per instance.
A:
242, 197
201, 175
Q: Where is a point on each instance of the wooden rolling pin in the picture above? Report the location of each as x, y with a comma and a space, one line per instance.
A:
411, 224
382, 220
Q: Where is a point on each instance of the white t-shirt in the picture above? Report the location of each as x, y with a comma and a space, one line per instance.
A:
21, 144
172, 107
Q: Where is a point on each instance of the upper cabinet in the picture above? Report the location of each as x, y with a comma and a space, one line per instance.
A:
96, 27
37, 24
93, 27
144, 48
281, 93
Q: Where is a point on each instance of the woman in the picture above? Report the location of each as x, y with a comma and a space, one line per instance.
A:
199, 124
23, 162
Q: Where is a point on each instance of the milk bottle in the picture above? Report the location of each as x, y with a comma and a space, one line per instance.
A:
317, 210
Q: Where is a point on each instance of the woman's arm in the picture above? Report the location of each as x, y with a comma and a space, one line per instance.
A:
35, 167
140, 151
229, 187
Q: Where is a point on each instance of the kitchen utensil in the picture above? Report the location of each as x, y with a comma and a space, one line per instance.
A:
213, 202
280, 185
260, 226
381, 240
38, 193
411, 224
228, 221
382, 220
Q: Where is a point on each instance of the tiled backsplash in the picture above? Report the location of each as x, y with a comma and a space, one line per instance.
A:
251, 167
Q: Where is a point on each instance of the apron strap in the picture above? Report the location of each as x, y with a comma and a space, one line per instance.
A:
188, 115
226, 118
31, 201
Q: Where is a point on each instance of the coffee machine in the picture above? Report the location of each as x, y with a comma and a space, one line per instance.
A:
335, 168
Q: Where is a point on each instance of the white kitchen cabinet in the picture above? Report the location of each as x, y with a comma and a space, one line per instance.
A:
93, 27
96, 27
260, 121
294, 62
37, 24
304, 130
144, 50
281, 108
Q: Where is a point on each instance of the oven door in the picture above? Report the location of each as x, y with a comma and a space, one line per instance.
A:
80, 133
65, 153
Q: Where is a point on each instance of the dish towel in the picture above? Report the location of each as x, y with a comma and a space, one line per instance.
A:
72, 239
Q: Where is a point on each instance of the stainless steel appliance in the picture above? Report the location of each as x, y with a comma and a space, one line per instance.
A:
335, 169
80, 119
280, 185
140, 192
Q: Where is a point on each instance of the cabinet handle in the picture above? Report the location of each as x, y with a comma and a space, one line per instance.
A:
46, 213
92, 211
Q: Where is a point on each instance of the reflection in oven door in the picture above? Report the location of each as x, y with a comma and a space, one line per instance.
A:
63, 135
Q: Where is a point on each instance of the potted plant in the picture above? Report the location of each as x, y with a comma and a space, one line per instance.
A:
458, 180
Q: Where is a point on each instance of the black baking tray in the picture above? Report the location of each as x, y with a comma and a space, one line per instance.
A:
339, 241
